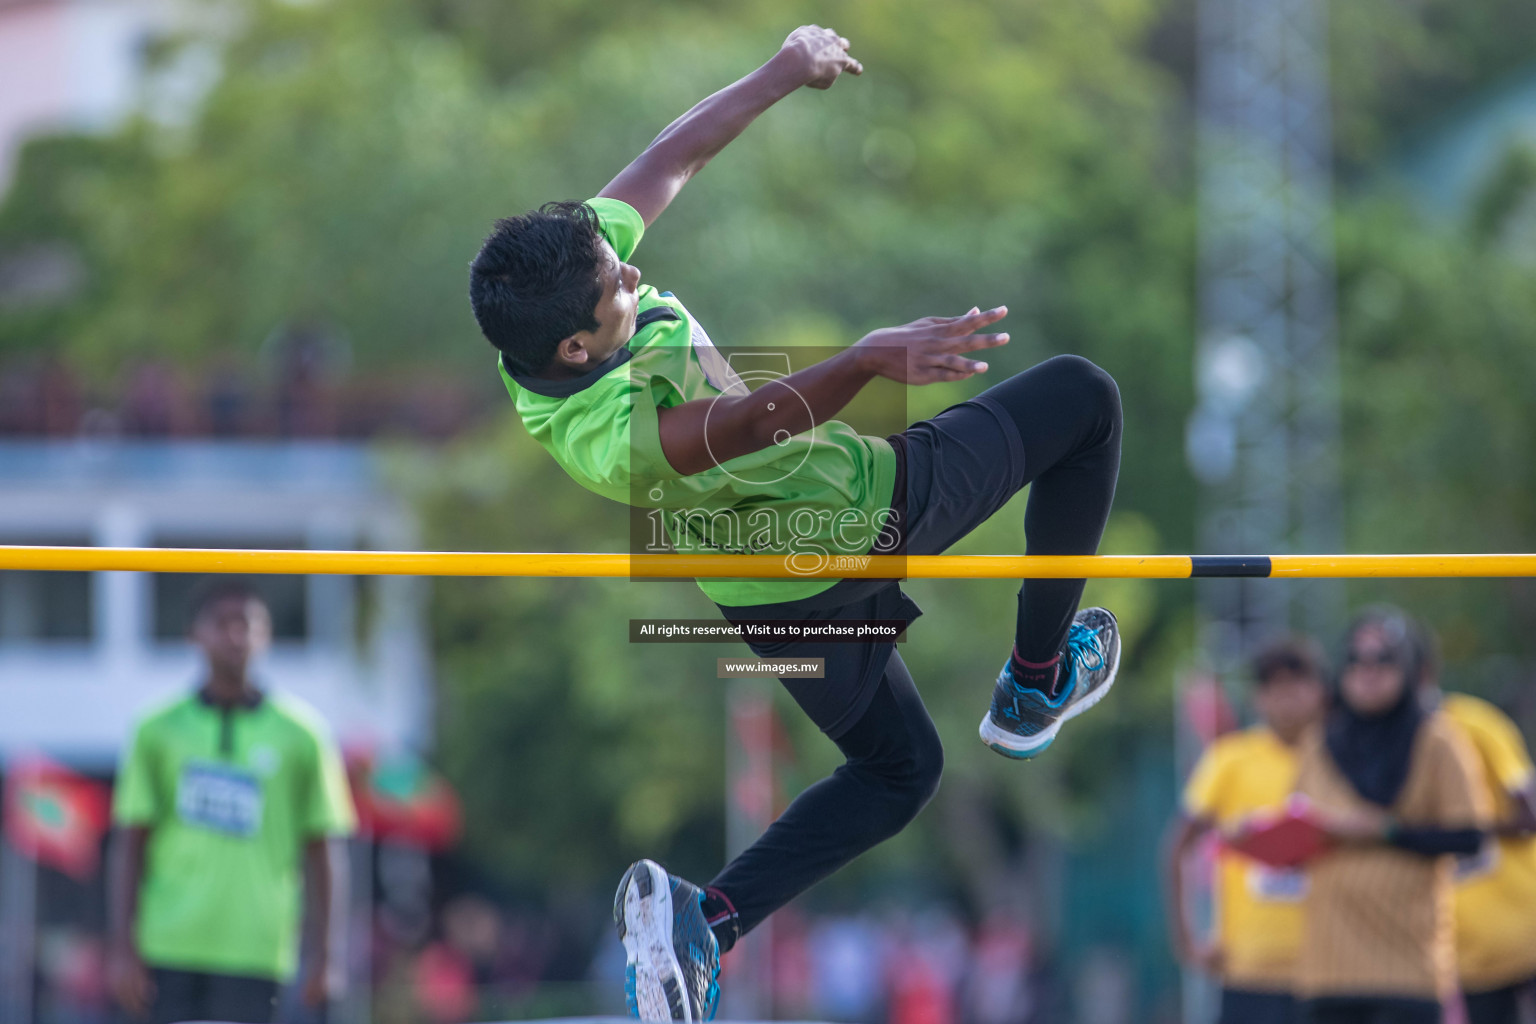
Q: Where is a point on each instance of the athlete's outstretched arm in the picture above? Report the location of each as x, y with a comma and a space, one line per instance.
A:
701, 434
812, 56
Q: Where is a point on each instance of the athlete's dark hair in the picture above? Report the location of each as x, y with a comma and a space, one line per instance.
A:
1297, 655
536, 282
212, 589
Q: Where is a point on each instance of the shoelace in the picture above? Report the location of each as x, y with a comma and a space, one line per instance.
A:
1018, 691
1082, 642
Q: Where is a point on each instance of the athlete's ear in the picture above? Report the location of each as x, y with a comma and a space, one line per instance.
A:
572, 352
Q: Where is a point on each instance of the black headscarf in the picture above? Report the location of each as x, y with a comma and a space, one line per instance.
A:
1374, 752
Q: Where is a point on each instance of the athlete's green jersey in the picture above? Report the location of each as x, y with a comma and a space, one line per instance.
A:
230, 796
825, 492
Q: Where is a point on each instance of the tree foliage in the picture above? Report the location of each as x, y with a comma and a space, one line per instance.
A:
353, 153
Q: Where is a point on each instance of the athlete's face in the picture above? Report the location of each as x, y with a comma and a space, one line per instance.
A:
232, 632
615, 313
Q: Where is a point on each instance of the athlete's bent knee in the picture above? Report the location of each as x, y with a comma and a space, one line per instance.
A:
923, 771
1093, 385
909, 783
927, 785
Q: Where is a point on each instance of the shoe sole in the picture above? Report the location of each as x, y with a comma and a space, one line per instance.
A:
659, 989
1023, 749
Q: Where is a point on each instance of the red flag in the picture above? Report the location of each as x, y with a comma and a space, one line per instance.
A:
399, 799
1206, 707
55, 816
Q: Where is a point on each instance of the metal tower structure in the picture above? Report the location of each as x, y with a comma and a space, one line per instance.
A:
1264, 437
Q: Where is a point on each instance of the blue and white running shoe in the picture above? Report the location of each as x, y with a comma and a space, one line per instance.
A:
673, 967
1022, 722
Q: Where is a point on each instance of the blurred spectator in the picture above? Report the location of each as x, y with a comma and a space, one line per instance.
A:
306, 405
1496, 889
226, 798
16, 398
41, 398
154, 405
73, 965
443, 982
61, 402
309, 397
228, 401
923, 968
1104, 988
999, 987
529, 943
791, 966
605, 977
1397, 789
489, 962
1257, 930
848, 972
918, 993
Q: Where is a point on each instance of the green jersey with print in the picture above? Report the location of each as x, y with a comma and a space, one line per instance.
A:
230, 796
823, 493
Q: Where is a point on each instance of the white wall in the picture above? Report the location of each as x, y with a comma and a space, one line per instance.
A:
76, 699
71, 64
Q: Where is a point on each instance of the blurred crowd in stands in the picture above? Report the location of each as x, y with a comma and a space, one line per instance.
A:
484, 961
303, 394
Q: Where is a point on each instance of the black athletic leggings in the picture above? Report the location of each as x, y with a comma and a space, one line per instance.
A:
1067, 412
893, 767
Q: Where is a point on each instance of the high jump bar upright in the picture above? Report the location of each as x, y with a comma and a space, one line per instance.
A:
676, 566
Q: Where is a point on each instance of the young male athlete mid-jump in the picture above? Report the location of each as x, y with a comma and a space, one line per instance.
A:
623, 387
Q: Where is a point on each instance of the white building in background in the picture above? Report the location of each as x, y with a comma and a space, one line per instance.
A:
82, 653
78, 65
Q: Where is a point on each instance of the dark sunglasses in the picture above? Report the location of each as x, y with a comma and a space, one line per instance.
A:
1385, 659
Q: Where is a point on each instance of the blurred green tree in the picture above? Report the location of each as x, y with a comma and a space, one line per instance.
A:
353, 153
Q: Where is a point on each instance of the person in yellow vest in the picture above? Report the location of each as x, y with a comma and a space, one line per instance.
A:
1495, 889
1258, 922
1396, 787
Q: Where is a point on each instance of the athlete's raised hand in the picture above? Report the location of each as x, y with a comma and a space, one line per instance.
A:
929, 350
817, 55
812, 56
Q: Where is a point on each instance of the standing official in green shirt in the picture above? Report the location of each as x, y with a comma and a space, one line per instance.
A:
227, 797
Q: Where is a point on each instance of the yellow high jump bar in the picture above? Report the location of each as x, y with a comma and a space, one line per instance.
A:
676, 566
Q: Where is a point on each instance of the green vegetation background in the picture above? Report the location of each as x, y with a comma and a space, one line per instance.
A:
1034, 153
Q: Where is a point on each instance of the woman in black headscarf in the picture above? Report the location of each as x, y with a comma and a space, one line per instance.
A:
1395, 786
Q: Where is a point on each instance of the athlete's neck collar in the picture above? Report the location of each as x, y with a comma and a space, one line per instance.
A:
570, 386
566, 388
